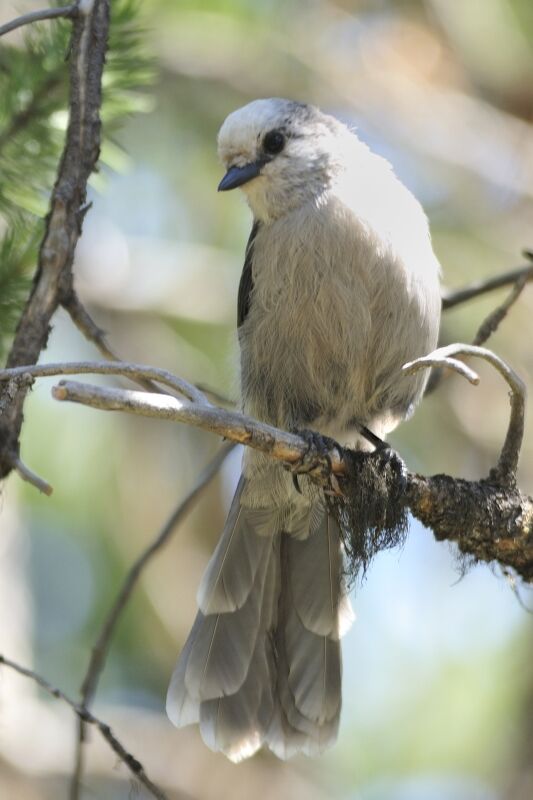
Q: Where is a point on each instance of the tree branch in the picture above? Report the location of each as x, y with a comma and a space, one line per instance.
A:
232, 425
88, 327
137, 372
455, 297
53, 278
485, 520
505, 470
134, 766
518, 278
103, 641
491, 324
38, 16
93, 333
30, 476
489, 519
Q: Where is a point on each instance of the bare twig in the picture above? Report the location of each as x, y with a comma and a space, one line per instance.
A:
505, 471
135, 371
491, 323
101, 646
84, 714
200, 413
38, 16
31, 477
455, 297
93, 333
85, 323
284, 446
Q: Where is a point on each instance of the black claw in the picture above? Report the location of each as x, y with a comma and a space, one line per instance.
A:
371, 437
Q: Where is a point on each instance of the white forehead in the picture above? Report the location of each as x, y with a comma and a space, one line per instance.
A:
242, 128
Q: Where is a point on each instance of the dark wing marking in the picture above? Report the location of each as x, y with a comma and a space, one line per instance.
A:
247, 279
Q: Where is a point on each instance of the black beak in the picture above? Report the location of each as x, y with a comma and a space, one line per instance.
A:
236, 176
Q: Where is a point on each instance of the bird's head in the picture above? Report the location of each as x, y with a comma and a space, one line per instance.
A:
282, 154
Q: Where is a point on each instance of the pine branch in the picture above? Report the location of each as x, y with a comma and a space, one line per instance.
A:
34, 103
63, 225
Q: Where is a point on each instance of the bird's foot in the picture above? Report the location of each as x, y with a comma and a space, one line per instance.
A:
316, 461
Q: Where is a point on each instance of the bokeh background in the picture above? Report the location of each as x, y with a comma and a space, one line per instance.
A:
438, 683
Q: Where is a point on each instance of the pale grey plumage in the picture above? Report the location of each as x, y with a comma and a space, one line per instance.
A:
340, 288
320, 548
222, 649
231, 572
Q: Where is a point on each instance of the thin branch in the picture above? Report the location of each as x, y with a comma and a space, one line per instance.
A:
93, 333
38, 16
445, 357
88, 327
134, 766
137, 372
455, 297
491, 324
103, 641
284, 446
229, 424
29, 476
519, 278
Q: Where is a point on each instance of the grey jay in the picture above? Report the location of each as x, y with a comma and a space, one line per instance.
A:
340, 288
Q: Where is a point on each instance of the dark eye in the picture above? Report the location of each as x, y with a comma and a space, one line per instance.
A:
274, 142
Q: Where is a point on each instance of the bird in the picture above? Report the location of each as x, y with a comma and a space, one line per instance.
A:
340, 288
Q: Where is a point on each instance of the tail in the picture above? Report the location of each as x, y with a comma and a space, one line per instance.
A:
262, 664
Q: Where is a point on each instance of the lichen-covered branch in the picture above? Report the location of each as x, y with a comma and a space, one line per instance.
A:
487, 521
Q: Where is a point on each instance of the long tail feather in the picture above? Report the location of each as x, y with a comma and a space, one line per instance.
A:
262, 664
237, 724
308, 658
231, 572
